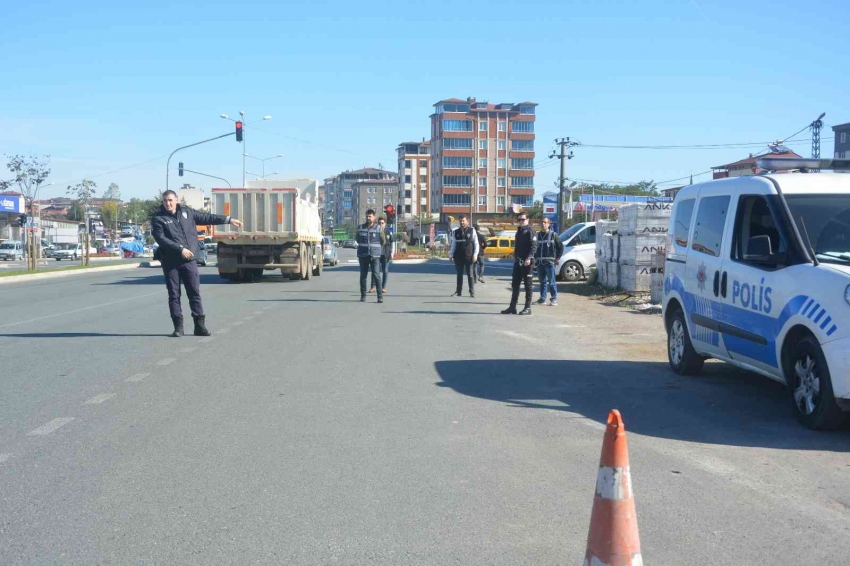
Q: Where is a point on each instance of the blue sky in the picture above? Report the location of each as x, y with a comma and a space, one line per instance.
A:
101, 86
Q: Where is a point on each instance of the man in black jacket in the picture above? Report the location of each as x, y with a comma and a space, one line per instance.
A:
175, 229
464, 252
550, 248
526, 247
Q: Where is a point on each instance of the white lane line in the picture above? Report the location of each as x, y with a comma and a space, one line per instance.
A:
98, 399
569, 326
46, 429
513, 334
4, 457
66, 313
137, 377
353, 261
165, 361
207, 340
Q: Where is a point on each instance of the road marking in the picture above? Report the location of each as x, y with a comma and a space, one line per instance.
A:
4, 457
188, 350
569, 326
207, 340
98, 399
165, 361
46, 429
513, 334
353, 261
137, 377
66, 313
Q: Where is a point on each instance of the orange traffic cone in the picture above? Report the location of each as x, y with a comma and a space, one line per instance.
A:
613, 538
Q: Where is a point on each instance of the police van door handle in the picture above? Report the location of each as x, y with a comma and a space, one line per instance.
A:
716, 283
723, 285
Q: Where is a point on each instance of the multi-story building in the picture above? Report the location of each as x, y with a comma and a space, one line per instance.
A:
482, 157
414, 186
748, 166
374, 194
842, 141
341, 195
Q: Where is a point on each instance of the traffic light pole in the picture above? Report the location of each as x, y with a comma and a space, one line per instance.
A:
210, 176
168, 163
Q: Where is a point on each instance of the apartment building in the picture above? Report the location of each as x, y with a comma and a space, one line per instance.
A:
340, 195
842, 141
374, 194
414, 184
482, 157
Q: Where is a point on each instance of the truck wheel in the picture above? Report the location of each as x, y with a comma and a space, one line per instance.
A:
684, 360
572, 271
318, 262
811, 387
308, 257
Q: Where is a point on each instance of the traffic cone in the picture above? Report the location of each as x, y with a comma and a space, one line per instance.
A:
613, 538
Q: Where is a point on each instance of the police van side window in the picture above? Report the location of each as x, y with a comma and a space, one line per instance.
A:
711, 219
682, 222
755, 219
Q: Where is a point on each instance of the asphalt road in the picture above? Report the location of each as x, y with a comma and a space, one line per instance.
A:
313, 429
53, 264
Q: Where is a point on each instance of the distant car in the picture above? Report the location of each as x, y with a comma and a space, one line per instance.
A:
70, 251
349, 244
211, 247
330, 252
11, 250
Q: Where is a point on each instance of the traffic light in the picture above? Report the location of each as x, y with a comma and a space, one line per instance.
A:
180, 169
389, 212
239, 131
23, 220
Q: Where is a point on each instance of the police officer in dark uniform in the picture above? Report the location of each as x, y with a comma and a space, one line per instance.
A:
370, 245
174, 227
550, 248
479, 265
464, 252
526, 247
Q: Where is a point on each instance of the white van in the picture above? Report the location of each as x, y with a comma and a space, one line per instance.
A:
758, 275
11, 250
579, 251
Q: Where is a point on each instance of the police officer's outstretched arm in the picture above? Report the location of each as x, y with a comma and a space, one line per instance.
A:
209, 219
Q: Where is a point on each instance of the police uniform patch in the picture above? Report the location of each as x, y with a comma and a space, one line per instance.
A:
185, 216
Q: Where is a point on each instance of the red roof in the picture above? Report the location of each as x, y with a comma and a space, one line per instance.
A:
752, 159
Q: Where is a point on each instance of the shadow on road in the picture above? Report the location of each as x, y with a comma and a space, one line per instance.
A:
723, 406
74, 335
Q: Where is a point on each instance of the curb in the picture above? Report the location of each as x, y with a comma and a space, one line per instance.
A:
57, 274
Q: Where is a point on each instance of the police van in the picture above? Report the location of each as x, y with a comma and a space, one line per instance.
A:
757, 274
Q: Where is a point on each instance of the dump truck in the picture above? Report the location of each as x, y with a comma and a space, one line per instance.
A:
281, 229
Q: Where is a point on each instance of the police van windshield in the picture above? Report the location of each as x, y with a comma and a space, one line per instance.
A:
826, 218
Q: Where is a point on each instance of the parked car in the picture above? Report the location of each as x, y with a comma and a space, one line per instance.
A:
70, 251
579, 251
757, 274
11, 250
500, 247
329, 251
349, 244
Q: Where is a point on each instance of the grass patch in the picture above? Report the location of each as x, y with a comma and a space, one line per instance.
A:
69, 268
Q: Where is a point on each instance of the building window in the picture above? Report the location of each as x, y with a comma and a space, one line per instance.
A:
526, 109
457, 125
500, 201
457, 143
482, 200
522, 145
423, 163
407, 164
457, 181
501, 163
522, 127
407, 193
522, 200
482, 182
841, 155
457, 162
522, 182
524, 163
407, 178
501, 181
482, 144
482, 163
456, 200
452, 108
502, 145
843, 137
407, 209
388, 189
482, 126
502, 126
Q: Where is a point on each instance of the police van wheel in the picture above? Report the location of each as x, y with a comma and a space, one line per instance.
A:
571, 271
811, 387
684, 360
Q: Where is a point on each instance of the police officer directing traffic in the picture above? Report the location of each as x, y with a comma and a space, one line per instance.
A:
526, 247
174, 227
464, 252
370, 245
550, 248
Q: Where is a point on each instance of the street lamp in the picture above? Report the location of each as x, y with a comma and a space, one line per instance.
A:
264, 162
263, 176
242, 119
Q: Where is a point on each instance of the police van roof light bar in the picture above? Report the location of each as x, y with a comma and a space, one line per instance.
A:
801, 164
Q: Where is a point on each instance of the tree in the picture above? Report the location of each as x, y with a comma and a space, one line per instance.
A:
75, 211
112, 192
84, 192
536, 210
28, 174
109, 214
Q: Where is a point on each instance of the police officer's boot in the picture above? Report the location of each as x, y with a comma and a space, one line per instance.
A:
200, 325
178, 326
527, 309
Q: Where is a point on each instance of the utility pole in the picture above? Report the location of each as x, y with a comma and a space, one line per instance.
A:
816, 127
564, 144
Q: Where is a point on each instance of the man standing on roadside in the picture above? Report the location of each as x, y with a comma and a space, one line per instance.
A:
174, 227
386, 256
549, 252
464, 252
482, 244
526, 247
369, 249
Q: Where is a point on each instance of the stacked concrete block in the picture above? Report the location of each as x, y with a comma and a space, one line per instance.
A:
656, 285
642, 232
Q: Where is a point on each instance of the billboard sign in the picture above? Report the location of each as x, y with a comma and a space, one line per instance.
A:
11, 203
